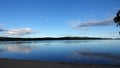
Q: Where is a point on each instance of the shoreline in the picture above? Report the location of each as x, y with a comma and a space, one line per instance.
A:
13, 63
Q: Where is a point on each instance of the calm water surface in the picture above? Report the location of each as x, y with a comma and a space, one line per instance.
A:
72, 51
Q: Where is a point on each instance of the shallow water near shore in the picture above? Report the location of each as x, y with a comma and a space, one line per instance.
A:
69, 51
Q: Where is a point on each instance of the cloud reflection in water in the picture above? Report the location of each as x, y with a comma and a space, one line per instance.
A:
96, 56
17, 47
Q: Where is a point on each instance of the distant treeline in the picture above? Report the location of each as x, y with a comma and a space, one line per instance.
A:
50, 38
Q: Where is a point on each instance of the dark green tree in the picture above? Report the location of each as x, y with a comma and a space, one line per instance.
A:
117, 19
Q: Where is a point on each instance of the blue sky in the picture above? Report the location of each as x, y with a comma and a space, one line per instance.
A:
56, 18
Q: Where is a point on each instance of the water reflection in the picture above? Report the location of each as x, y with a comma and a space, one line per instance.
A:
76, 41
86, 51
15, 42
1, 50
96, 56
17, 47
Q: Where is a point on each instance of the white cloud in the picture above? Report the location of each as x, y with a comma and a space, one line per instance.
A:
16, 32
19, 31
77, 24
1, 29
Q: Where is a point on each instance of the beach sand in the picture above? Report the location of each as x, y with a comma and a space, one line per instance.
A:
10, 63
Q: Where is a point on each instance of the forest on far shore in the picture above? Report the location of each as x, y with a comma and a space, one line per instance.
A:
52, 38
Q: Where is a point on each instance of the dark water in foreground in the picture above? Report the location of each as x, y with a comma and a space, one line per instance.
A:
73, 51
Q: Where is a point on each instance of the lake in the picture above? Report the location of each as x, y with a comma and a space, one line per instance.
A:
69, 51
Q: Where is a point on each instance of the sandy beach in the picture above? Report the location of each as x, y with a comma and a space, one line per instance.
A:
10, 63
